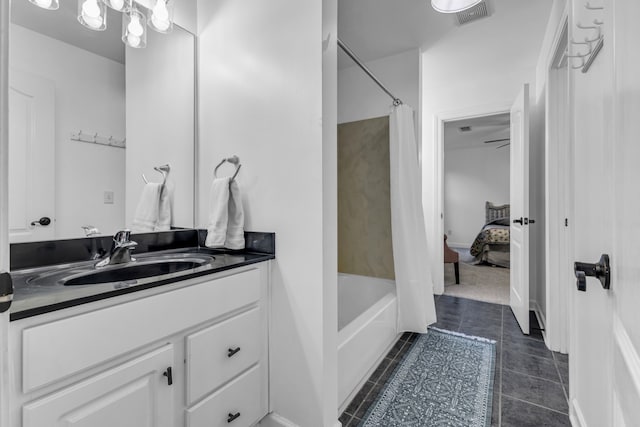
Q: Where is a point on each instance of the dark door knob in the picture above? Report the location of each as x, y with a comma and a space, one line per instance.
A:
600, 270
44, 221
518, 221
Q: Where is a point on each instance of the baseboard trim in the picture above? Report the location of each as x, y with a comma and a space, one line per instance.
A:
457, 245
274, 420
537, 310
575, 415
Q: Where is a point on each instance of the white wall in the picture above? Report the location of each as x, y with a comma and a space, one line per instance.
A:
261, 98
89, 96
479, 67
360, 98
472, 176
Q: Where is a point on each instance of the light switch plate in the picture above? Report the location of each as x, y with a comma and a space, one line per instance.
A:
108, 197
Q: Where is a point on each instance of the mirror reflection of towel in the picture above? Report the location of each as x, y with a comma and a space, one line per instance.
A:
153, 212
226, 215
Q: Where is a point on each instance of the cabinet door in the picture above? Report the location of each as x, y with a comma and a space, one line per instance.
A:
134, 394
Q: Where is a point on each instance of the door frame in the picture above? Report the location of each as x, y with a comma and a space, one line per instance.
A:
435, 230
4, 209
558, 198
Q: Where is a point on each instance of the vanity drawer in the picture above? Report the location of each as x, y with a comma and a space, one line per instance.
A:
239, 404
87, 340
220, 352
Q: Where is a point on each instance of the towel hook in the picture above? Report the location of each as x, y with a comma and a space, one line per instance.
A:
235, 160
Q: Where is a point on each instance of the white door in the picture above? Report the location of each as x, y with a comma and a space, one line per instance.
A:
626, 220
31, 157
519, 199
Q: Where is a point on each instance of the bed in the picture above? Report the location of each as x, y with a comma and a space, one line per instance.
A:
492, 244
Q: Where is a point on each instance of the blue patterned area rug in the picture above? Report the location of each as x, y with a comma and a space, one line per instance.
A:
445, 379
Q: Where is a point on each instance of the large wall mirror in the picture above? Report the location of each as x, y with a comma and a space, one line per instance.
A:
88, 117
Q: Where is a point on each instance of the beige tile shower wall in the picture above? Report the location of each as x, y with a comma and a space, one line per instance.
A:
364, 207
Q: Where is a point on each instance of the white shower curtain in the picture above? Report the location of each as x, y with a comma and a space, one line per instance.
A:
414, 288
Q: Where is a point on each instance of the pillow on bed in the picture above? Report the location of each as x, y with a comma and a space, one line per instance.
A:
499, 221
493, 212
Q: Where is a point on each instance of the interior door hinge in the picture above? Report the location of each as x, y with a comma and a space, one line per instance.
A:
566, 222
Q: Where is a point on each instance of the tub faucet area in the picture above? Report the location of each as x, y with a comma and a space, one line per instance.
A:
121, 248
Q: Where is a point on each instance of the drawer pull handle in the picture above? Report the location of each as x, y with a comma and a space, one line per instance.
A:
169, 374
233, 417
233, 351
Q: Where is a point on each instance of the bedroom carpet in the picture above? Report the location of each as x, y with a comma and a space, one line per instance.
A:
477, 282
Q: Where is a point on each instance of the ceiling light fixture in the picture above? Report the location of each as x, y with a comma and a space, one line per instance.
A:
453, 6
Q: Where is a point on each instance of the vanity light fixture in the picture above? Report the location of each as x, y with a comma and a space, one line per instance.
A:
46, 4
453, 6
117, 5
92, 14
161, 16
134, 31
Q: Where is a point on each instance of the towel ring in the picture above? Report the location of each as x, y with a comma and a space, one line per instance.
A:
163, 170
233, 160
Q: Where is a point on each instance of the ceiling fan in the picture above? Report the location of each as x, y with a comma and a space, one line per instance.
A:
499, 140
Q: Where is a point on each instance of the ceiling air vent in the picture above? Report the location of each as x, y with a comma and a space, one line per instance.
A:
476, 12
465, 128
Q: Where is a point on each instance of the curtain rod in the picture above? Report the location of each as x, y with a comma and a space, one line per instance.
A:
354, 57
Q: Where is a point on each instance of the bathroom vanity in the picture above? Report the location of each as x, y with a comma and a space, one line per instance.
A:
189, 349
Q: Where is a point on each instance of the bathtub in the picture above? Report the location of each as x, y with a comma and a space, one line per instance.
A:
367, 311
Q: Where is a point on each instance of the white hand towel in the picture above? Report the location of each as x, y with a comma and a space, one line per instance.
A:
218, 213
165, 209
235, 227
146, 216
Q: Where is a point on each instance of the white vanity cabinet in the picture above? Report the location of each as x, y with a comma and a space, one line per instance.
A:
191, 353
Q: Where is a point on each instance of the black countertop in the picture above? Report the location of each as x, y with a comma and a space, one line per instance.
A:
34, 297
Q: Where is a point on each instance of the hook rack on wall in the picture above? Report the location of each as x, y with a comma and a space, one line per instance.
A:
109, 141
593, 39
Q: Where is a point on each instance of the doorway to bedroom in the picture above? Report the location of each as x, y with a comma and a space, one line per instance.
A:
476, 177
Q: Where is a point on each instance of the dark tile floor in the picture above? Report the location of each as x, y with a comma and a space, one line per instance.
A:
531, 383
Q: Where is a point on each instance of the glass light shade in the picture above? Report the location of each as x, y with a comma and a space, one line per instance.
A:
453, 6
161, 16
134, 30
46, 4
118, 5
92, 14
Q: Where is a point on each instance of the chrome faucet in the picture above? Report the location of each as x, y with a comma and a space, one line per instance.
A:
120, 252
90, 230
